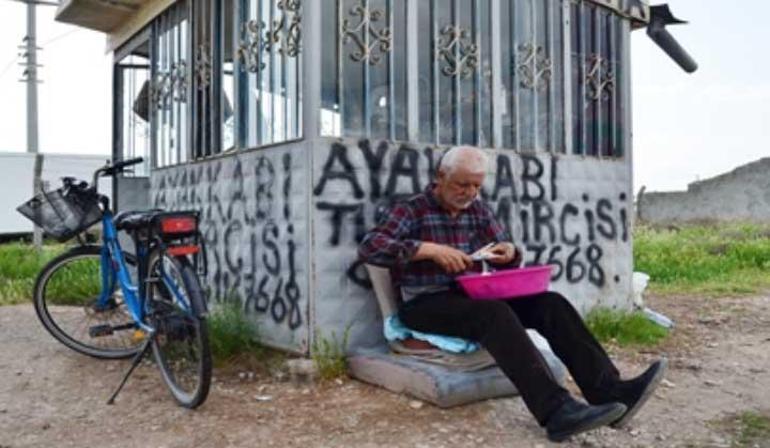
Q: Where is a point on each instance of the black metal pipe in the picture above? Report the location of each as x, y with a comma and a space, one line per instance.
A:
658, 33
660, 16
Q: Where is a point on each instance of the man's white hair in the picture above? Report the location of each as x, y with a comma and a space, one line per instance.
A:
473, 159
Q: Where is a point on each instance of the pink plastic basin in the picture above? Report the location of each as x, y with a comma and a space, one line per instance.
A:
507, 284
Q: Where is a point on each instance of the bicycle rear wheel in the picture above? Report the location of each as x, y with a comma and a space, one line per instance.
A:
65, 298
181, 344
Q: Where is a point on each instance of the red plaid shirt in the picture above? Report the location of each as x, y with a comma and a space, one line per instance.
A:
396, 239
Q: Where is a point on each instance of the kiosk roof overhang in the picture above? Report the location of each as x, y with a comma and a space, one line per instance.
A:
123, 18
99, 15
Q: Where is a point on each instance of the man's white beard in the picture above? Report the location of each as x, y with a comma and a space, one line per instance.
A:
466, 204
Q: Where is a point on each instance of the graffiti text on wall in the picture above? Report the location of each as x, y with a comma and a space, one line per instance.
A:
568, 234
252, 254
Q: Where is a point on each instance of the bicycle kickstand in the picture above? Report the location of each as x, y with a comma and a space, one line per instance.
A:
136, 361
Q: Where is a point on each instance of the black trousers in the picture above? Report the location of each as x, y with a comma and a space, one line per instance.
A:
500, 327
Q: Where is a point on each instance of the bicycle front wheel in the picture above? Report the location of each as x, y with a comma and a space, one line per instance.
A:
181, 344
66, 301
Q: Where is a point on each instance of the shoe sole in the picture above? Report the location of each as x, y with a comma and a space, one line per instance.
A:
606, 419
654, 382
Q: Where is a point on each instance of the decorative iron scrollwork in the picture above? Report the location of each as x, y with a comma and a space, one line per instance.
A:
285, 37
289, 5
457, 40
203, 66
290, 30
161, 90
250, 48
535, 68
179, 81
381, 39
169, 85
600, 79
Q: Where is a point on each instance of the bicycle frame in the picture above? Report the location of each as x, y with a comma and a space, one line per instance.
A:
113, 262
114, 268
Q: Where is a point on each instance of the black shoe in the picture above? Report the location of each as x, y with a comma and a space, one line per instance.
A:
574, 417
635, 392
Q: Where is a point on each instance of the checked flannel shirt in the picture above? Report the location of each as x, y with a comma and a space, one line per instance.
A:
395, 240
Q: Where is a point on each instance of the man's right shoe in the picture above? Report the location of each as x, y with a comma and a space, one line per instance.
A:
635, 392
574, 417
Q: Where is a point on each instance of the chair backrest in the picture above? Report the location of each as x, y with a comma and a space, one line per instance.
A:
388, 299
387, 296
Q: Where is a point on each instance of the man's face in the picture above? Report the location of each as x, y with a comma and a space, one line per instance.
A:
458, 189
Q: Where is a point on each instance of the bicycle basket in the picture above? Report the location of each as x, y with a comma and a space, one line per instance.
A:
63, 215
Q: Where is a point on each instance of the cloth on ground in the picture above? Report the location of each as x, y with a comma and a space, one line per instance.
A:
395, 330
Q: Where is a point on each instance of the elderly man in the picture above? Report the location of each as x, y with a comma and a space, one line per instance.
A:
427, 239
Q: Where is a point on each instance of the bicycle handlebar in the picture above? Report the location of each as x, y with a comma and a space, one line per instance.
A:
120, 164
115, 168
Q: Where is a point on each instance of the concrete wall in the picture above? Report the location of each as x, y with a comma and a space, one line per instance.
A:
742, 194
570, 211
282, 225
133, 193
256, 225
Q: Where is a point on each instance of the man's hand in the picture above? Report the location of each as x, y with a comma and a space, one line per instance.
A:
449, 258
503, 253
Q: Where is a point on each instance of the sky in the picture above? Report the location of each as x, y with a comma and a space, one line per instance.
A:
686, 126
74, 98
689, 127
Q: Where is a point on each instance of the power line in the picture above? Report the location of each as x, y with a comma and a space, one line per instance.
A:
8, 67
60, 36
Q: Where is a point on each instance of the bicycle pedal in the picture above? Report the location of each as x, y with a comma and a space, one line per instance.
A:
138, 336
100, 330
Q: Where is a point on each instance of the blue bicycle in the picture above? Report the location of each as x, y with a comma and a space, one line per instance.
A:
87, 299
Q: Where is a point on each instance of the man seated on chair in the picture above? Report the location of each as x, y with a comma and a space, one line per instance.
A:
427, 240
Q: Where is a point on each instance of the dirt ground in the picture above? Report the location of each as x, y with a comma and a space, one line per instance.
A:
51, 396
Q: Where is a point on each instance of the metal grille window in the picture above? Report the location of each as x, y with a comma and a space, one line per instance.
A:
132, 105
228, 54
532, 53
206, 87
531, 75
170, 86
455, 56
267, 71
364, 77
597, 84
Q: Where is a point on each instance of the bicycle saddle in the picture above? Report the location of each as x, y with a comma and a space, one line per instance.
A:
135, 219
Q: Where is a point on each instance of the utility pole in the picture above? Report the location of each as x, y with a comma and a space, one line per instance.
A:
30, 54
30, 72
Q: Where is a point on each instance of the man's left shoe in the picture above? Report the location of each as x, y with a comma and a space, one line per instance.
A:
636, 392
574, 417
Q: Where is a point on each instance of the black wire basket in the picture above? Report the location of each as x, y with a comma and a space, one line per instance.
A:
64, 212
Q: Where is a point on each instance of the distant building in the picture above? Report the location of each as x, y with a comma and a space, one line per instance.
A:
289, 123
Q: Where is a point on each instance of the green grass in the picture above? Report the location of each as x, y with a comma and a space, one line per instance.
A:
328, 355
79, 282
625, 329
747, 430
753, 430
710, 260
19, 266
232, 335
